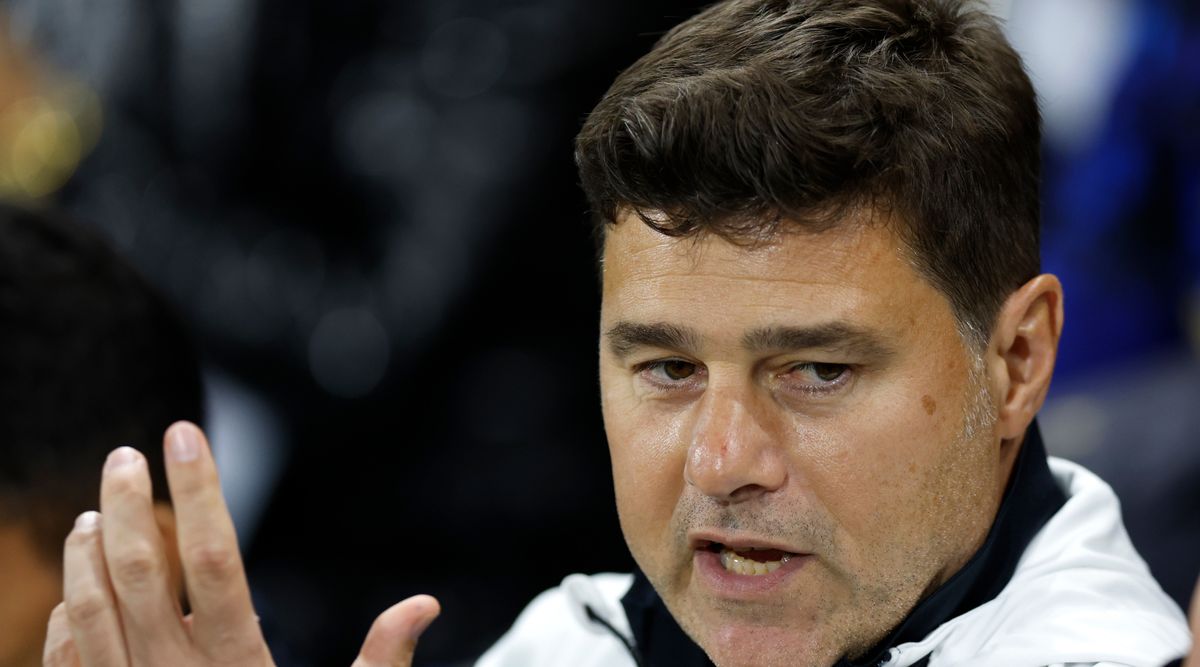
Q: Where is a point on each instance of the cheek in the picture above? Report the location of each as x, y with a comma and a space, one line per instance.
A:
647, 465
644, 441
871, 467
648, 454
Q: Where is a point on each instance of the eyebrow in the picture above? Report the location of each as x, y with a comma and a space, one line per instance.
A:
831, 336
626, 337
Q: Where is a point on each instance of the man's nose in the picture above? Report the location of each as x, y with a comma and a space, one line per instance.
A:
732, 456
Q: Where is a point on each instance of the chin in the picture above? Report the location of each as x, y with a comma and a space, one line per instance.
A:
747, 645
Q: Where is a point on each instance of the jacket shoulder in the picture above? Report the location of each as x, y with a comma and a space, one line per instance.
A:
555, 628
1081, 594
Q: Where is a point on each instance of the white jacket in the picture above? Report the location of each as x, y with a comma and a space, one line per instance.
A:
1080, 595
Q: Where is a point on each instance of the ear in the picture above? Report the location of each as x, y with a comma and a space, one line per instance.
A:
1022, 352
164, 516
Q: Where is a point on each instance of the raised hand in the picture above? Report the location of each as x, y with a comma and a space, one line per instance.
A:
119, 608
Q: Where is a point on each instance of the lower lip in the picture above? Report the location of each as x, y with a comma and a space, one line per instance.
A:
726, 584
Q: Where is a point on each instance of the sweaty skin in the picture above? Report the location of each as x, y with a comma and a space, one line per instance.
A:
889, 495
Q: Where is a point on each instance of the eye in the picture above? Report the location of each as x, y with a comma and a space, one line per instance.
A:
670, 374
677, 370
815, 377
828, 372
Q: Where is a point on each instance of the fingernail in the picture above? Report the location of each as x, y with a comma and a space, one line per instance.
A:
183, 445
87, 521
122, 457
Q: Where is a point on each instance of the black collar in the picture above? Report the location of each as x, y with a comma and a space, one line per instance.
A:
1031, 499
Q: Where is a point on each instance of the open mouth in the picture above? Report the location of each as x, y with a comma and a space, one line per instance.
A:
749, 560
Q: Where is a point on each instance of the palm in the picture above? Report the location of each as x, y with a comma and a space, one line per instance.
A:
119, 608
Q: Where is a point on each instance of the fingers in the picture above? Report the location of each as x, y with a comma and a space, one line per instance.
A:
89, 611
223, 624
59, 650
137, 563
393, 636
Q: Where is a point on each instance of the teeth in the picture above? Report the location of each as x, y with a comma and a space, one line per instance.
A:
748, 566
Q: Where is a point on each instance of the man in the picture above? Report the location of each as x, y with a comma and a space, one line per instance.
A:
89, 356
824, 340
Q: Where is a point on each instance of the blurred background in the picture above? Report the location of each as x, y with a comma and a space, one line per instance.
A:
367, 212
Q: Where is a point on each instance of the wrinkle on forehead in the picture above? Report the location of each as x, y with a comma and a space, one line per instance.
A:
853, 262
835, 244
639, 253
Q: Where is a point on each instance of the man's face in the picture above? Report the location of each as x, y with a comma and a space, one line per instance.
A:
800, 439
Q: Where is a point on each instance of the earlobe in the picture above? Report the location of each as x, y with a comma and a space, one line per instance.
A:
1024, 349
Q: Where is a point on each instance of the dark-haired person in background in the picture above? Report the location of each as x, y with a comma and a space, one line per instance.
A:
824, 339
90, 355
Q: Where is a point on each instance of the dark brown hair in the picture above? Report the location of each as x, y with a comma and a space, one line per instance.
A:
757, 115
91, 358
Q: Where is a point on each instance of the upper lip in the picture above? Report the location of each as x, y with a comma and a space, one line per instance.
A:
703, 539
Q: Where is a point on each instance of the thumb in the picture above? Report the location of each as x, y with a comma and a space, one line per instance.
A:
393, 636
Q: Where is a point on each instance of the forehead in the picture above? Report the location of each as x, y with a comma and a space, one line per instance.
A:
854, 272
